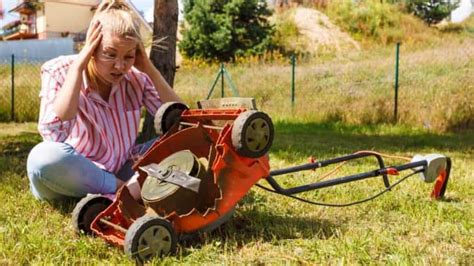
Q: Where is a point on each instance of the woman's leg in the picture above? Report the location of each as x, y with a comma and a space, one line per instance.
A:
126, 171
56, 171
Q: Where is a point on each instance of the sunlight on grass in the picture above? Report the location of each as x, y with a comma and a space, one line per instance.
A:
344, 103
402, 227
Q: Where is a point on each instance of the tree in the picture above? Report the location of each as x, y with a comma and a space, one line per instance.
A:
165, 25
432, 11
224, 29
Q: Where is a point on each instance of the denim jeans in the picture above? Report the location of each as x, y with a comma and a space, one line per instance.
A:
57, 171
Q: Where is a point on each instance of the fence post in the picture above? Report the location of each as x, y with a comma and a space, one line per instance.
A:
293, 65
222, 80
13, 88
397, 58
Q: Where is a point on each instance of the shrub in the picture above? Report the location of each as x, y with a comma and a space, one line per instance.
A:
431, 11
221, 30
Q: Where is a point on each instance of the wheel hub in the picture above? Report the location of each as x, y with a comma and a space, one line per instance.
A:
155, 241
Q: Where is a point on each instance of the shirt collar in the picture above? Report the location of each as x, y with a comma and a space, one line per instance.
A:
127, 76
85, 82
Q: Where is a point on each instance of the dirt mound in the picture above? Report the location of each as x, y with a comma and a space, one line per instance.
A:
319, 30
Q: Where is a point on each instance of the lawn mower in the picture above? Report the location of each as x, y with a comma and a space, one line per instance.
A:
206, 160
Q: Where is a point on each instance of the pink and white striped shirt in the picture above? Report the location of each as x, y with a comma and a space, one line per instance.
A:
104, 132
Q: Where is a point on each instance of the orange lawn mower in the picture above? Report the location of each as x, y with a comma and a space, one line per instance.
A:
207, 159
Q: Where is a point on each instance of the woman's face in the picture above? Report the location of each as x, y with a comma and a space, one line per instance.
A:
114, 56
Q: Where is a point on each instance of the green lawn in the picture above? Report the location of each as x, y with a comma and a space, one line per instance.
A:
401, 227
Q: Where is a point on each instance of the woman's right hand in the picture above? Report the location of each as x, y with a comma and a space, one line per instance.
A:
66, 103
93, 37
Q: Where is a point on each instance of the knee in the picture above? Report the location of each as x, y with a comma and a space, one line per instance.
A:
47, 154
44, 164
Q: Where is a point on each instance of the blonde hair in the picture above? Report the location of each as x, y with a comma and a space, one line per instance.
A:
118, 18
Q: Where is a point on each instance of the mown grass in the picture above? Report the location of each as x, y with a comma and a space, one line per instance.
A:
402, 227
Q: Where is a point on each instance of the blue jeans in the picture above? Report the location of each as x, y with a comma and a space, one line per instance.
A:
57, 171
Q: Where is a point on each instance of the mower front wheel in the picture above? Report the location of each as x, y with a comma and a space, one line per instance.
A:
252, 134
149, 237
86, 210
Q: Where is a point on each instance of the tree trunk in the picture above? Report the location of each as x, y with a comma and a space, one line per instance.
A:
165, 26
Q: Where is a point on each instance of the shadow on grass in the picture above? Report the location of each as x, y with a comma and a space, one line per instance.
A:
255, 226
18, 145
253, 222
14, 151
65, 206
325, 140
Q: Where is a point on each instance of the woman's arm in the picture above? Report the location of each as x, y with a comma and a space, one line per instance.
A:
66, 103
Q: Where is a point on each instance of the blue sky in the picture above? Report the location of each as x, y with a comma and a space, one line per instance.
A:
144, 5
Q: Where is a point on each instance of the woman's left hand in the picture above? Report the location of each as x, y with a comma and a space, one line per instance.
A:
142, 62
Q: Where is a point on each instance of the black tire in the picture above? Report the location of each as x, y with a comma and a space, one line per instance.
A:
149, 237
168, 115
252, 134
86, 210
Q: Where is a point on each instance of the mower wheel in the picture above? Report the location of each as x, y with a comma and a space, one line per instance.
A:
168, 115
86, 211
149, 237
252, 134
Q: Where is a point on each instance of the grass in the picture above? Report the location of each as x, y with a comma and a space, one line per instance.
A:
343, 104
435, 87
355, 87
26, 91
402, 227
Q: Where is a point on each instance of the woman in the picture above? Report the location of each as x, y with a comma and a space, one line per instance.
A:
90, 109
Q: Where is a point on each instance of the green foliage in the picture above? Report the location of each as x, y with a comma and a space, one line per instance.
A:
368, 19
224, 29
431, 11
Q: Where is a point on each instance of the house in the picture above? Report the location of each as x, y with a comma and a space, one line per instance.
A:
47, 19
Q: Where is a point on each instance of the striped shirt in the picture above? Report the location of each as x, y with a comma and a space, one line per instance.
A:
104, 132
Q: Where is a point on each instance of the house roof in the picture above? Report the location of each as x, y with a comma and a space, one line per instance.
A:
29, 7
24, 7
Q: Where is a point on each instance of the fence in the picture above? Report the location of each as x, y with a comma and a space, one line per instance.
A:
19, 88
20, 63
435, 86
224, 74
27, 49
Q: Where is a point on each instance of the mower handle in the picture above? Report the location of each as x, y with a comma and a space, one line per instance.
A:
382, 171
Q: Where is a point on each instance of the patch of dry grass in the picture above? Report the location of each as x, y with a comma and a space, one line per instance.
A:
435, 87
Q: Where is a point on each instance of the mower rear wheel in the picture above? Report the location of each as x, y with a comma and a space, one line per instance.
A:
149, 237
252, 134
168, 115
86, 211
